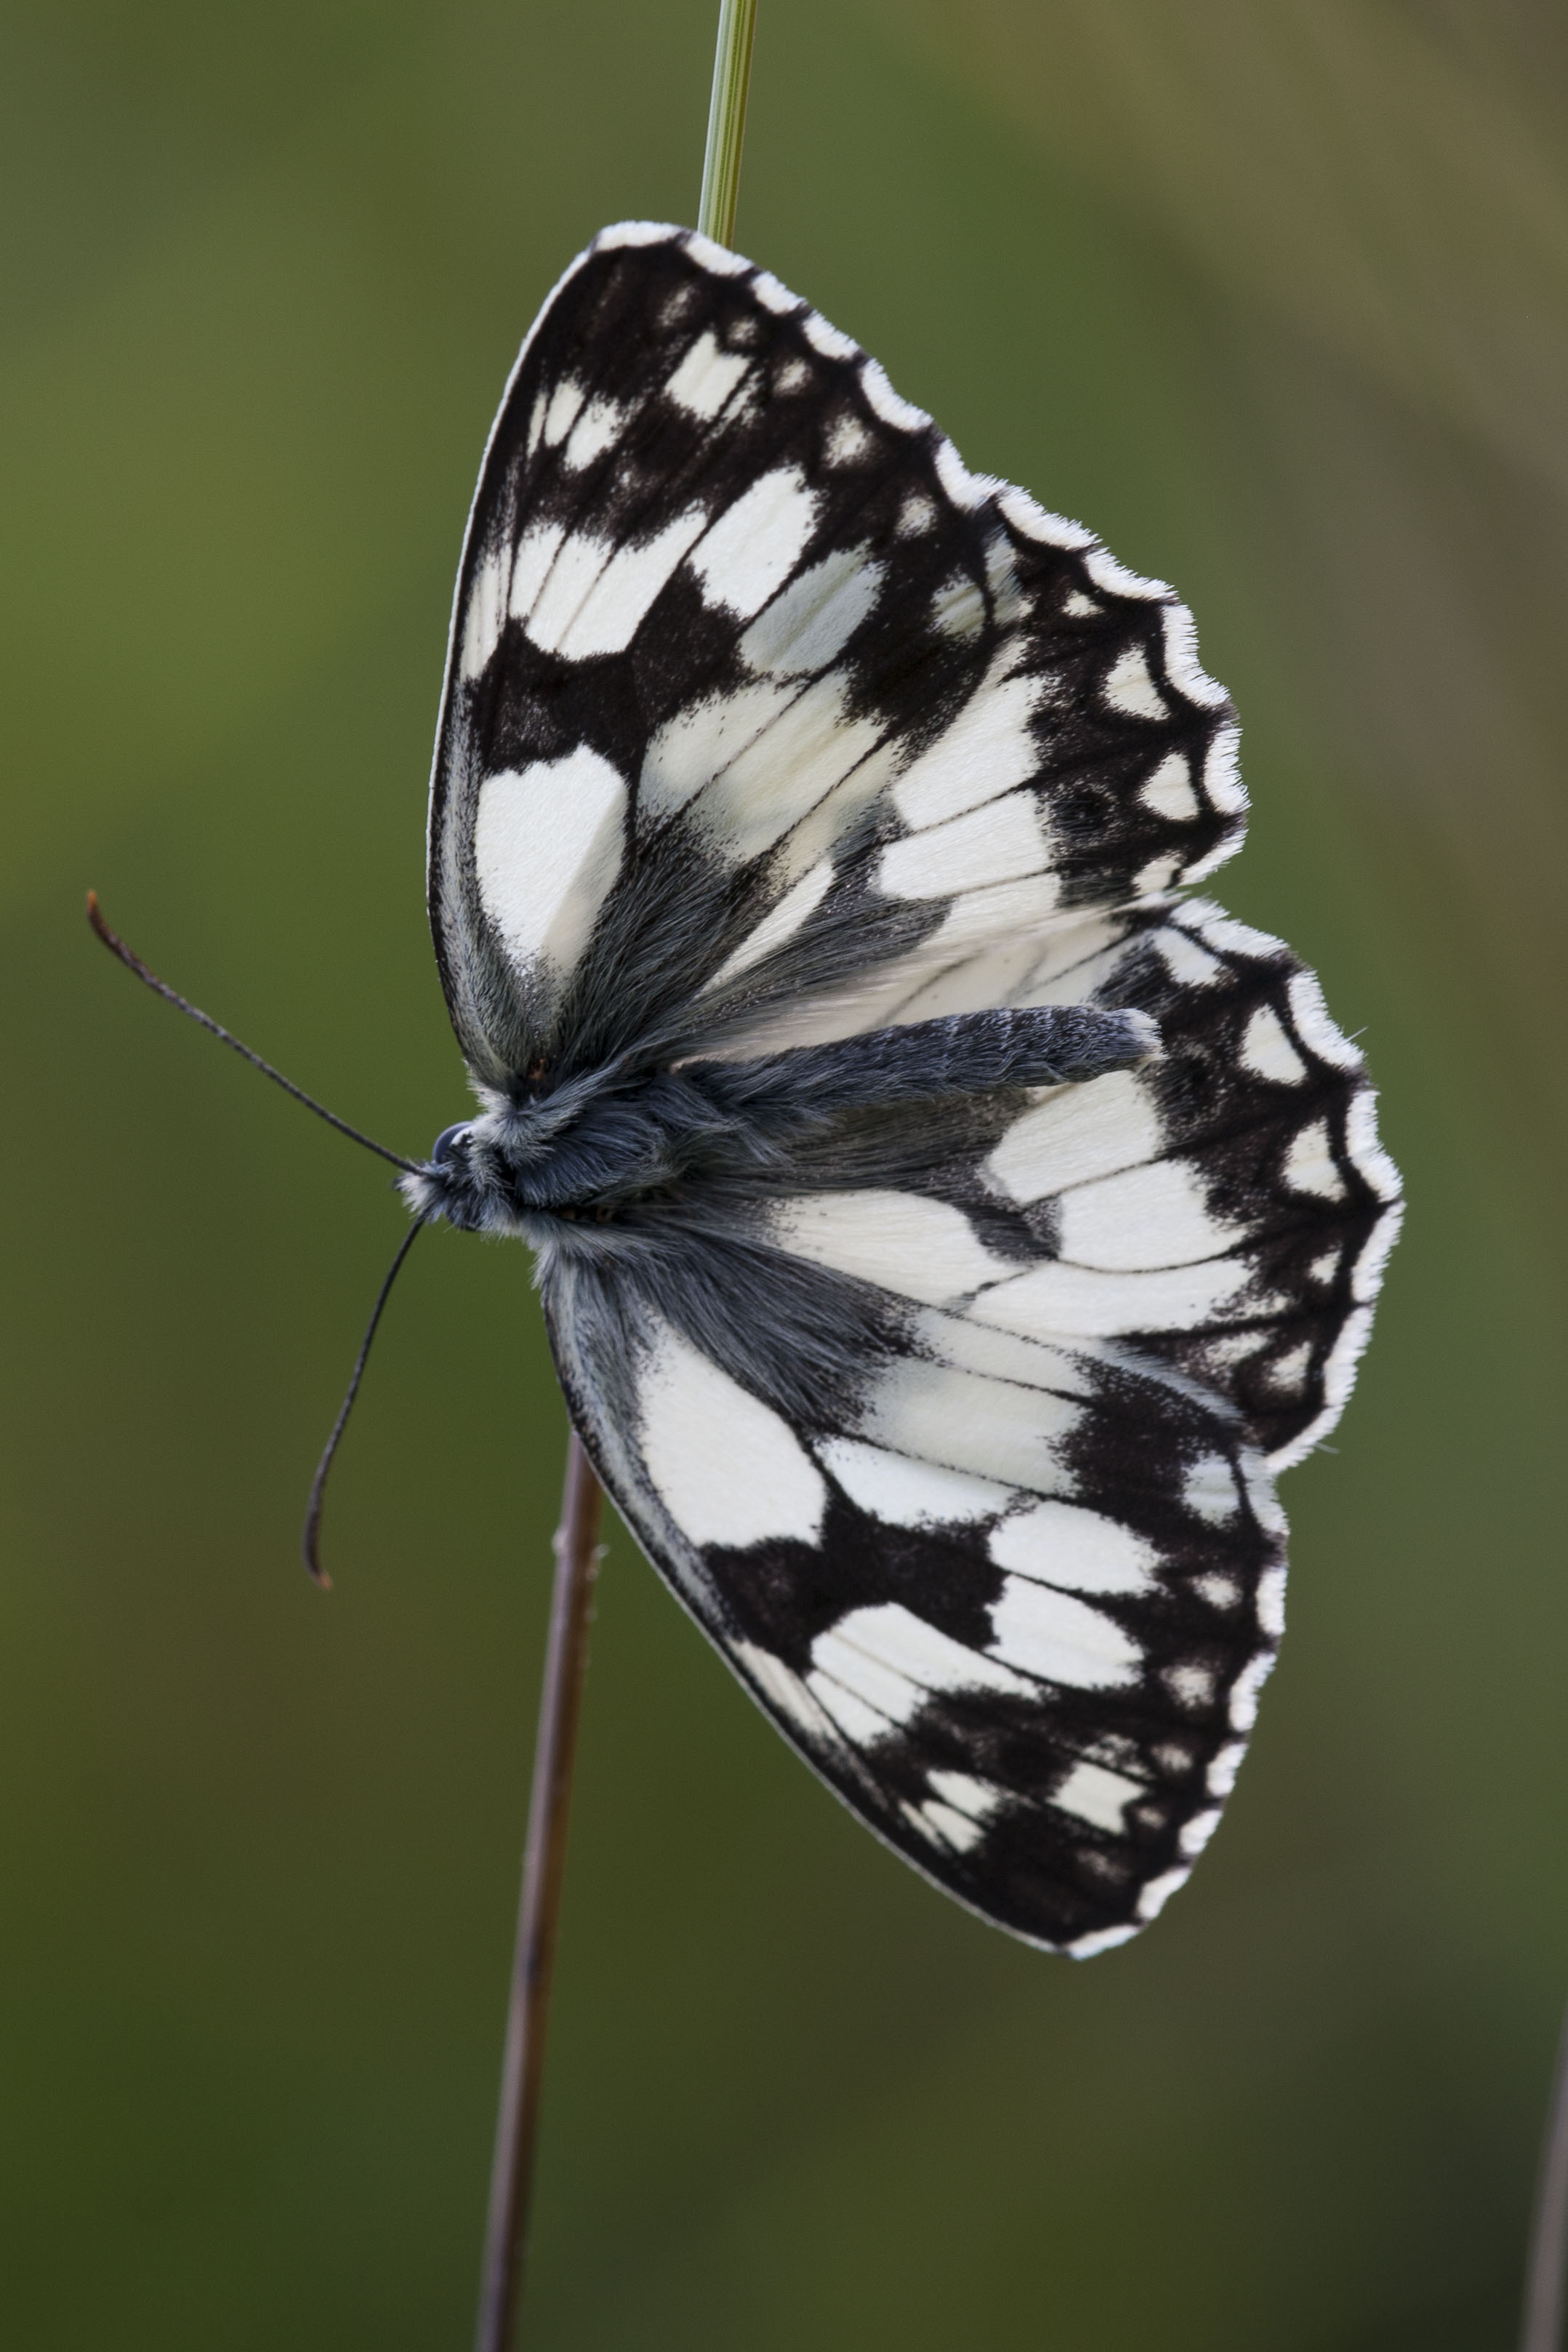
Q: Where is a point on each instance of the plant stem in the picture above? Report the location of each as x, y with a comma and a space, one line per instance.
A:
1546, 2270
539, 1909
576, 1557
726, 119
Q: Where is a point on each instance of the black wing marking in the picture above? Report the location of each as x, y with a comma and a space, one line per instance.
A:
754, 686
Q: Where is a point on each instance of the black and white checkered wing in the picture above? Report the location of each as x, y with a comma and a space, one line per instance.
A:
1227, 1208
755, 690
1013, 1600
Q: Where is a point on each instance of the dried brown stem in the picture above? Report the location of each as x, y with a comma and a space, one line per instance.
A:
539, 1910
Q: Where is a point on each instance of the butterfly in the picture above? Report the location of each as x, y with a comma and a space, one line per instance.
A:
945, 1229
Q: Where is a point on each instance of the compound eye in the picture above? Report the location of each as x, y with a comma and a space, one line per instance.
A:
441, 1150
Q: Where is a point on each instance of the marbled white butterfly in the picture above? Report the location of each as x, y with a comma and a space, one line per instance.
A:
945, 1230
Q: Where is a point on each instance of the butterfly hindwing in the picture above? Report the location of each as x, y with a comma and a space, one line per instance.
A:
1014, 1602
1226, 1207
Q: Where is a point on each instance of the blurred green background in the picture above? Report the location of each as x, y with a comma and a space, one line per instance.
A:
1276, 296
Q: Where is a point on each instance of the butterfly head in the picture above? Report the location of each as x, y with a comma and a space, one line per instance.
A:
528, 1162
465, 1179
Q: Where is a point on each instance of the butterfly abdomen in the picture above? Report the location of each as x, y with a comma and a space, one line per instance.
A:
964, 1054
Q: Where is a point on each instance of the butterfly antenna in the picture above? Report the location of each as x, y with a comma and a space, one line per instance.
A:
133, 962
310, 1540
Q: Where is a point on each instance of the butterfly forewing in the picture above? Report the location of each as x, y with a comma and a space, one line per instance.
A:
766, 724
755, 687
